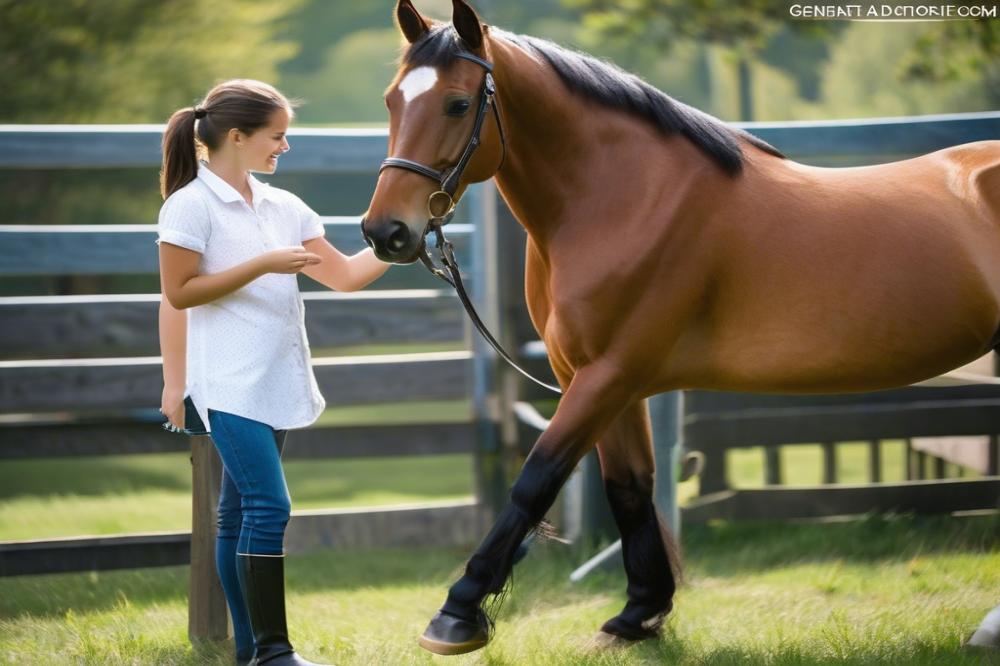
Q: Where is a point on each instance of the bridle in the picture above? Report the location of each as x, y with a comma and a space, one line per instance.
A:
443, 199
441, 205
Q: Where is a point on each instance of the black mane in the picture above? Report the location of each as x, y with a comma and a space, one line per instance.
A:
610, 86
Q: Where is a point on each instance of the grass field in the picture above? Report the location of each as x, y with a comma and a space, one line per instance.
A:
102, 495
116, 494
898, 590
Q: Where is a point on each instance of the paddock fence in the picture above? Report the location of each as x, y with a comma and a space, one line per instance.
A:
80, 375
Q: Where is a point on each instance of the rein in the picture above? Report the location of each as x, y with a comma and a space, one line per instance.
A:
441, 208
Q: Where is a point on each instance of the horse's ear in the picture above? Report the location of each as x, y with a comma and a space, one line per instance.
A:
410, 21
467, 23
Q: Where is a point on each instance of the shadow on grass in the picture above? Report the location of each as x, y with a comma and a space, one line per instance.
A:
327, 571
734, 549
56, 594
94, 475
333, 480
672, 650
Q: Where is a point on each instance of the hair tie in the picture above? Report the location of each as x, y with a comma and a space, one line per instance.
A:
199, 112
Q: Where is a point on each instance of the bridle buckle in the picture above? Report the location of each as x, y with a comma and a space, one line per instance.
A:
440, 204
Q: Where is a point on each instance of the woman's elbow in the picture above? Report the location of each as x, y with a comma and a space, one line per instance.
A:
177, 300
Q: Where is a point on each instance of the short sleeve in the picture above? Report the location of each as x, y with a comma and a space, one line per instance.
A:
184, 221
310, 223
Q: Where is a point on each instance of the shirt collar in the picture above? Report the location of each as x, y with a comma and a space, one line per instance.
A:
226, 192
261, 191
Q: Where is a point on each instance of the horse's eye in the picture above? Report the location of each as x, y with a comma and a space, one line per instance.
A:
457, 107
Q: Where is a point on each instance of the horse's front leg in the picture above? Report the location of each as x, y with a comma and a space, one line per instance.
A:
593, 400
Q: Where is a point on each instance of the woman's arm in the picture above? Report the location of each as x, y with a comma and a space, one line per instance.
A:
185, 288
173, 349
341, 272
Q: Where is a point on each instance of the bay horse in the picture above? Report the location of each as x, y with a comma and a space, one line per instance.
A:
667, 250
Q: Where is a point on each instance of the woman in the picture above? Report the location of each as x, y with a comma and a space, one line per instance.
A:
230, 250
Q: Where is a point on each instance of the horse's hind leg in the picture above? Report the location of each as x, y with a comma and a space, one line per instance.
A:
588, 407
651, 558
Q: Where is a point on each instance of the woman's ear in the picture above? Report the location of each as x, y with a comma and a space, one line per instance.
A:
467, 23
411, 23
236, 136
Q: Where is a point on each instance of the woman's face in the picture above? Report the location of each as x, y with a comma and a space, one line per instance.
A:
261, 149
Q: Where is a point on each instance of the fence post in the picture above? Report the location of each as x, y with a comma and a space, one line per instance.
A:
772, 465
665, 414
208, 617
487, 401
875, 461
829, 462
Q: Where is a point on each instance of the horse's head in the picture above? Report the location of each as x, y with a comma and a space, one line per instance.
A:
441, 107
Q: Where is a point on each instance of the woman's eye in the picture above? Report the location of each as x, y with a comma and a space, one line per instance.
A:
458, 107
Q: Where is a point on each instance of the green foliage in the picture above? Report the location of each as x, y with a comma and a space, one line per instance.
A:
745, 27
348, 51
130, 60
348, 85
952, 51
864, 76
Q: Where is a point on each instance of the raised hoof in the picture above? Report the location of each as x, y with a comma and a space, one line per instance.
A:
448, 634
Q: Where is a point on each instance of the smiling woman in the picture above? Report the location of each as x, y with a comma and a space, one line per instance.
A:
239, 365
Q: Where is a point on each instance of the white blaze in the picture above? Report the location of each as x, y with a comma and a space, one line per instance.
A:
417, 82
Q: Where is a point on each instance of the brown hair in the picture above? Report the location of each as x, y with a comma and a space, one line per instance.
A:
243, 104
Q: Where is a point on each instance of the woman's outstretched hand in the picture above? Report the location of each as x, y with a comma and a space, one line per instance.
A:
287, 260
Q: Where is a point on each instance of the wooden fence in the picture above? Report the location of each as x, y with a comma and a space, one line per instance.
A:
79, 367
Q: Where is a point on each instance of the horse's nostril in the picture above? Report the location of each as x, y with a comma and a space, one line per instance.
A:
398, 238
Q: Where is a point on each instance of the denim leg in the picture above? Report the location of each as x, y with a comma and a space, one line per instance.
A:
230, 522
250, 453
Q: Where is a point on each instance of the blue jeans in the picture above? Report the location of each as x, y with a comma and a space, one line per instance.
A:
254, 506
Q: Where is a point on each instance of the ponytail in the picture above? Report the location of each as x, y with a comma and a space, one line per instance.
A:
180, 157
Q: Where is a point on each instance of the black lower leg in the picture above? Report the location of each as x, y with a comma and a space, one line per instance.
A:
650, 560
487, 570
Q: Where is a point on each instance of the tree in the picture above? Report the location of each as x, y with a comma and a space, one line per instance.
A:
743, 28
956, 50
120, 61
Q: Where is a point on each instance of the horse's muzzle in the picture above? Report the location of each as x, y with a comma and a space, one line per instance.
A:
392, 241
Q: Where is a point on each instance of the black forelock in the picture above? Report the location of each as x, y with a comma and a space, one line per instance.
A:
609, 86
437, 47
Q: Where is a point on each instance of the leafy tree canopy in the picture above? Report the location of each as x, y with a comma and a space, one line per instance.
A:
121, 61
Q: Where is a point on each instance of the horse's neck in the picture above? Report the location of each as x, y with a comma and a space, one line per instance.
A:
548, 147
566, 155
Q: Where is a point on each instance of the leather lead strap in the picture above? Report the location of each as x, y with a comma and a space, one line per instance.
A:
449, 261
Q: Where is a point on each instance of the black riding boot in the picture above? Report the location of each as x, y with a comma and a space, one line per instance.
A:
263, 579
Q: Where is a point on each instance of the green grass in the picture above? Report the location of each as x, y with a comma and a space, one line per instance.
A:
141, 493
897, 590
147, 493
